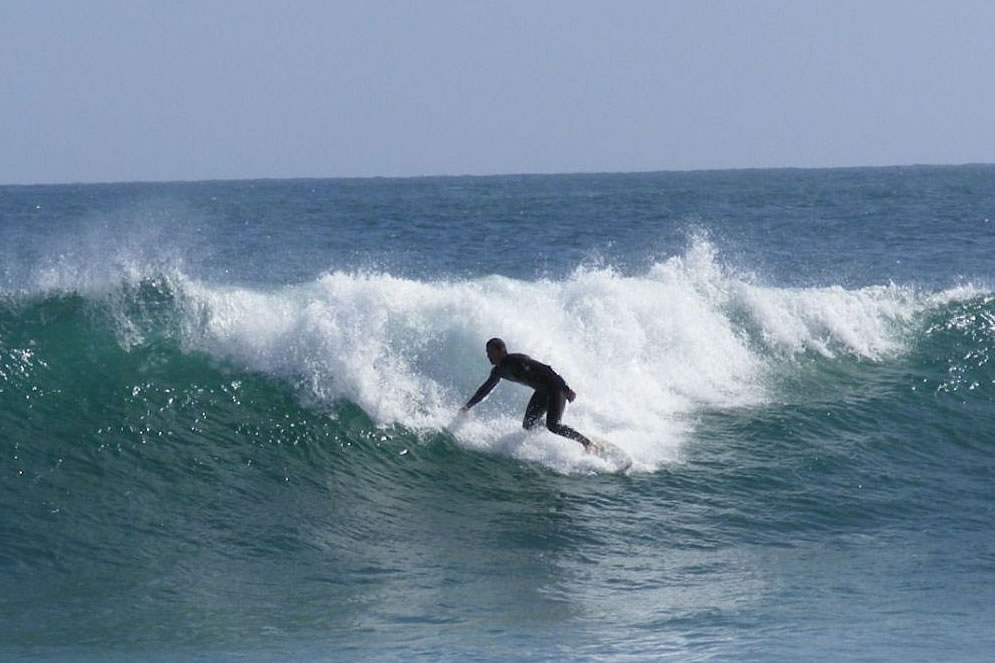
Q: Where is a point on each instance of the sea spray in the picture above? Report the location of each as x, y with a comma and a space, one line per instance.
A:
644, 353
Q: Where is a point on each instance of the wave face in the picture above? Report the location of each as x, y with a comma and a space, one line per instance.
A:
647, 353
201, 464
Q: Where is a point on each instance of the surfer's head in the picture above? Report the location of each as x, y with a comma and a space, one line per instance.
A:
496, 350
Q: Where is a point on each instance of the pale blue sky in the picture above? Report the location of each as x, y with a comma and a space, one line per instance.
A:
122, 90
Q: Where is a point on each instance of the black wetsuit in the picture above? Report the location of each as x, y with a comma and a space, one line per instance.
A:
550, 395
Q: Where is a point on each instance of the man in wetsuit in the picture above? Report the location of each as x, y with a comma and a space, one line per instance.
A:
551, 392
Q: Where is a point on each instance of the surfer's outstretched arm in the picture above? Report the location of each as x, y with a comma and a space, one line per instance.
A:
483, 390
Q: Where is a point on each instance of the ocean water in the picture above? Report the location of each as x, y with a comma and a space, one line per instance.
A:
227, 418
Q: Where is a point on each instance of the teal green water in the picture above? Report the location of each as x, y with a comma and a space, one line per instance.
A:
227, 419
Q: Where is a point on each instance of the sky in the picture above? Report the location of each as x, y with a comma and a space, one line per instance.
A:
138, 90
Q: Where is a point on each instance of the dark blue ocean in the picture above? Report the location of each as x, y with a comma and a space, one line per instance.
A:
228, 418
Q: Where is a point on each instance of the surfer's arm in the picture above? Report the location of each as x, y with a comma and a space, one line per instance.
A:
483, 390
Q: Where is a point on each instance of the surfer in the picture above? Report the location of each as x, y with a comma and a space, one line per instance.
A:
551, 391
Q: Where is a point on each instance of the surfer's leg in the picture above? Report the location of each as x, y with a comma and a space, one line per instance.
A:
557, 403
534, 410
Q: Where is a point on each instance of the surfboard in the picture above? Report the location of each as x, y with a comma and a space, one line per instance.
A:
616, 457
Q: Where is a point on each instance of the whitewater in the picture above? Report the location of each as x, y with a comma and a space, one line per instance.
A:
647, 351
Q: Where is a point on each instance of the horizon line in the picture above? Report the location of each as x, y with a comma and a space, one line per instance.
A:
291, 178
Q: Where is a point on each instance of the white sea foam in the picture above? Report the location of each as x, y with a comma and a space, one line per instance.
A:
644, 353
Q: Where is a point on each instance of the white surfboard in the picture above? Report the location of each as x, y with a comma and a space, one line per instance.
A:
616, 457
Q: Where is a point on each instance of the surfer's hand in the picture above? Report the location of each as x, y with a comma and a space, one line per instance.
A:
463, 410
571, 395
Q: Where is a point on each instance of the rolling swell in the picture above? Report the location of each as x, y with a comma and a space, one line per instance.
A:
163, 429
158, 486
847, 447
127, 453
